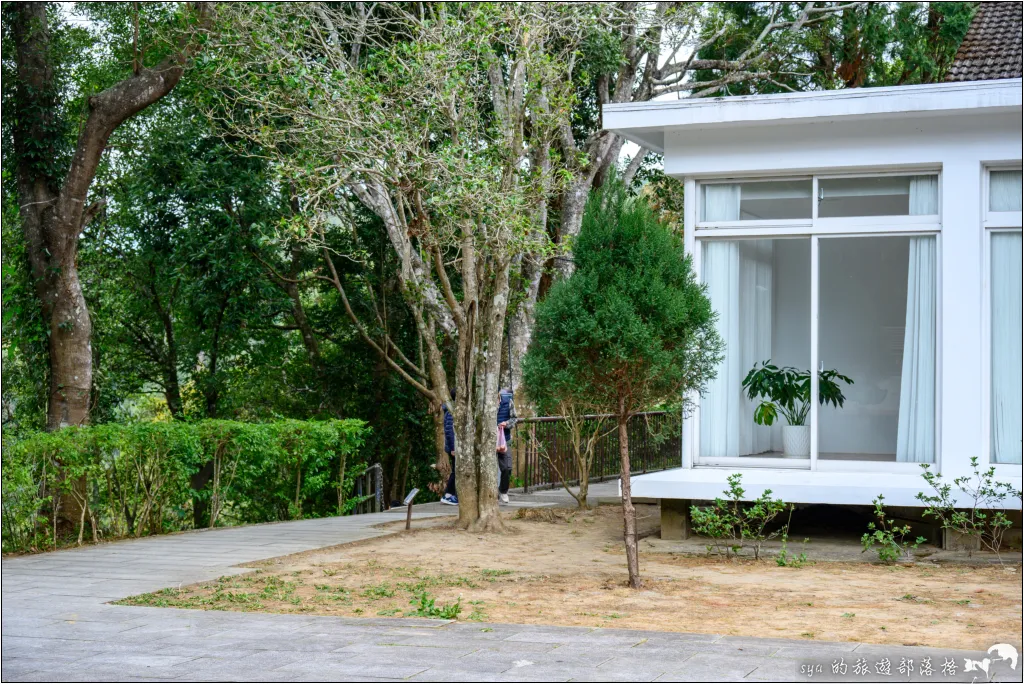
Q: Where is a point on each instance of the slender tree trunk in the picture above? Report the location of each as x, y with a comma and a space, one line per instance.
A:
628, 511
172, 388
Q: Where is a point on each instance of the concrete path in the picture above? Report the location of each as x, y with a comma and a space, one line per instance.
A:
58, 626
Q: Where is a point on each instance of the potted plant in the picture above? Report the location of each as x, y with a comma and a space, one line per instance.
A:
788, 391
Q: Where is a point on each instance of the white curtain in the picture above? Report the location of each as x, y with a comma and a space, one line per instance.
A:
924, 195
1004, 191
915, 431
738, 274
722, 202
1007, 283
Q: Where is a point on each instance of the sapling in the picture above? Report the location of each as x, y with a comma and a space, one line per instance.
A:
888, 537
731, 524
982, 517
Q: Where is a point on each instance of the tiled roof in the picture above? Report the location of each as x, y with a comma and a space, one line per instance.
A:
992, 46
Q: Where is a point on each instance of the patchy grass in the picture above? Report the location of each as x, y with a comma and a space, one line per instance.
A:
561, 567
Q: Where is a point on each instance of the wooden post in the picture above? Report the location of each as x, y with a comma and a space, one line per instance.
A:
408, 502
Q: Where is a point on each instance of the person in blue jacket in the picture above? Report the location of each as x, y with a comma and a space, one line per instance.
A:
506, 421
450, 497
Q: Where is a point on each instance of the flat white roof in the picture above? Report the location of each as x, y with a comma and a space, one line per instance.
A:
645, 123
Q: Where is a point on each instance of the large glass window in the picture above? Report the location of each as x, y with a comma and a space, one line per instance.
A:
878, 196
756, 201
1007, 283
761, 292
876, 326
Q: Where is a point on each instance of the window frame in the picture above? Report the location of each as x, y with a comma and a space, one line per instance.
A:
793, 227
814, 229
992, 222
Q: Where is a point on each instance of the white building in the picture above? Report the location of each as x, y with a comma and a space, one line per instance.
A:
876, 232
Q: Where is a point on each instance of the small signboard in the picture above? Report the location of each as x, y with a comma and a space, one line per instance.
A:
411, 496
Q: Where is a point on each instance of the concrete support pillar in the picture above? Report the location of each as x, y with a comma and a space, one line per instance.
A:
675, 518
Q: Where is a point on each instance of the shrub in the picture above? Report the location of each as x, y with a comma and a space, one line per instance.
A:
888, 537
732, 524
978, 514
127, 480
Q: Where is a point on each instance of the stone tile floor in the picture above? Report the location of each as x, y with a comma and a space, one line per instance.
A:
57, 625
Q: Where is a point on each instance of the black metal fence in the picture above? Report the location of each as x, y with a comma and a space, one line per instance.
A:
542, 448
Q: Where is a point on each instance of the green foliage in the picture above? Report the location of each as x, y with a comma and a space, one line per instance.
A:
865, 44
789, 390
733, 524
424, 607
784, 559
888, 537
632, 326
134, 479
975, 509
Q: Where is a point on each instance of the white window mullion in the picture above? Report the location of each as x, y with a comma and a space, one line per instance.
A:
814, 352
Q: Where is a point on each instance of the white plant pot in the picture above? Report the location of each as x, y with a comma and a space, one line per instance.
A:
796, 441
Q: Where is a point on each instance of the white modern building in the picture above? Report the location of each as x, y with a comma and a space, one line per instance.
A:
875, 232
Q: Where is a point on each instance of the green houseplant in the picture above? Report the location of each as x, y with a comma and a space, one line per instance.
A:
787, 391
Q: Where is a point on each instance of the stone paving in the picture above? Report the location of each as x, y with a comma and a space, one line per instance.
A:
57, 625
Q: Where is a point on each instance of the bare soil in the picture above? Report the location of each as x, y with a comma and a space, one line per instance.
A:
563, 567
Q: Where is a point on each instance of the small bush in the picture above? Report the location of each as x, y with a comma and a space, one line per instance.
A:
733, 525
978, 514
888, 538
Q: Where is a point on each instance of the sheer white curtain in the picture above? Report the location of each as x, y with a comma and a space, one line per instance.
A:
739, 279
1004, 191
1007, 283
924, 195
915, 431
722, 202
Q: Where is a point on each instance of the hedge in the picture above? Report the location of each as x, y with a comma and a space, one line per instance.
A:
129, 480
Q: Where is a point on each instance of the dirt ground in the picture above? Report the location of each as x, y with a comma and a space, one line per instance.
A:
562, 567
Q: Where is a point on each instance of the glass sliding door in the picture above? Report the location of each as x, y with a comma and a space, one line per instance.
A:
760, 289
826, 287
877, 327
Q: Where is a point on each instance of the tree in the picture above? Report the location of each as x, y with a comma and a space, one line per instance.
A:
629, 330
53, 182
853, 45
637, 52
429, 116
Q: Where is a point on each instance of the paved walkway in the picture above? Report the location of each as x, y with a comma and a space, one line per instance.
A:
58, 626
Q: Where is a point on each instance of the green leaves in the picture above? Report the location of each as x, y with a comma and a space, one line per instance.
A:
974, 509
632, 323
888, 537
736, 522
788, 391
138, 478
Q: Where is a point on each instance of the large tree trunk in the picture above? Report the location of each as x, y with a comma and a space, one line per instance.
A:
628, 511
477, 369
53, 210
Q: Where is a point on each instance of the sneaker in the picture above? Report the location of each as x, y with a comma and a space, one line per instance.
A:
450, 500
503, 498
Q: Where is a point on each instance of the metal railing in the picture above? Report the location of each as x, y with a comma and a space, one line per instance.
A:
542, 448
